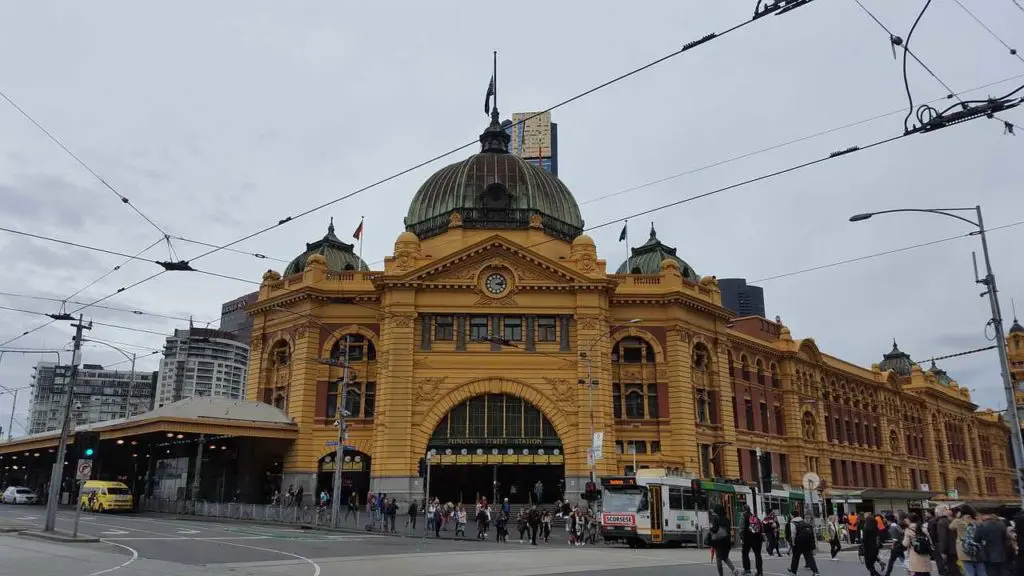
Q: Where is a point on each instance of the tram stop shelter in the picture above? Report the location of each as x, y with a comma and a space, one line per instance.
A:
240, 443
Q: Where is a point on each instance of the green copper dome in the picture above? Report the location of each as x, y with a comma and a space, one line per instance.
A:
647, 259
898, 361
339, 255
940, 375
494, 189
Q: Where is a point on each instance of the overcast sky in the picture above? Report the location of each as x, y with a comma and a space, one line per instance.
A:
217, 119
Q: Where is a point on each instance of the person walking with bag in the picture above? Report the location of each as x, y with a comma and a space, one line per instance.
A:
720, 541
751, 539
802, 545
918, 545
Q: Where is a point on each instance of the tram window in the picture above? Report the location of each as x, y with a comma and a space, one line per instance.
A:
675, 498
689, 502
546, 329
643, 502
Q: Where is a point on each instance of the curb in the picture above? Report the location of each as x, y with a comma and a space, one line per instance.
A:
61, 537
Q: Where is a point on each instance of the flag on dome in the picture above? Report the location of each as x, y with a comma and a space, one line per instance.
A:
622, 235
358, 234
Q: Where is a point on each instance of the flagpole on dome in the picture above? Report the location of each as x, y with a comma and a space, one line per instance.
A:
359, 236
624, 237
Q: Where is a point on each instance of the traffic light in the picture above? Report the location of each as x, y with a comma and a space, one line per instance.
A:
591, 492
766, 472
423, 467
87, 444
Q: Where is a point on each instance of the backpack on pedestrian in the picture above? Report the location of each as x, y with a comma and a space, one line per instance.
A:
804, 536
970, 541
754, 525
922, 544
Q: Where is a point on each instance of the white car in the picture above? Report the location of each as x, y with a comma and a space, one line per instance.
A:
19, 495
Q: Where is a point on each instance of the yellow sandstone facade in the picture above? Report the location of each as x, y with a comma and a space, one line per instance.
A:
477, 340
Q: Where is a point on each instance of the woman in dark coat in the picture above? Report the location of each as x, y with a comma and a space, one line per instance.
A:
870, 543
720, 539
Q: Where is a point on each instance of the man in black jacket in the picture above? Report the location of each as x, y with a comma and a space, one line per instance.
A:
944, 550
751, 538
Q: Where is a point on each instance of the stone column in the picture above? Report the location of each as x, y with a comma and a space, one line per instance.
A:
975, 459
300, 464
394, 465
946, 466
679, 441
793, 407
929, 450
730, 462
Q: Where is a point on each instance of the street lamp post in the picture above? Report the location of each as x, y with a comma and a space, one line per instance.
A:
131, 375
989, 281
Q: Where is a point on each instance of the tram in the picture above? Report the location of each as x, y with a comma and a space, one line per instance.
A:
655, 507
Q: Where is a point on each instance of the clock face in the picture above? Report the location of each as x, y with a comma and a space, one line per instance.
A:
496, 283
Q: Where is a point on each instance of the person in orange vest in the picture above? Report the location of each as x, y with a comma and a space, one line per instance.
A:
851, 522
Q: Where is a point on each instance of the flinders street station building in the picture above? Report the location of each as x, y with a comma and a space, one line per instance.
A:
498, 341
498, 344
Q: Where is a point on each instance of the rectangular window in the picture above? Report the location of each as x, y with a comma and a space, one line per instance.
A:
655, 447
702, 405
780, 428
675, 498
332, 400
546, 331
784, 468
478, 328
748, 410
763, 408
370, 400
652, 400
617, 400
513, 328
444, 328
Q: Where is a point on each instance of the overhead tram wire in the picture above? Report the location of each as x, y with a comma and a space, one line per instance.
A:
879, 254
114, 269
124, 199
114, 308
776, 7
234, 250
1010, 49
771, 148
926, 114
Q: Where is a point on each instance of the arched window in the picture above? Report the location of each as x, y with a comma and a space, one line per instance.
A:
894, 442
359, 348
961, 486
633, 350
495, 197
745, 367
634, 401
761, 375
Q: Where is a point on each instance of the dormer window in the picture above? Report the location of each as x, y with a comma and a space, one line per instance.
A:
495, 197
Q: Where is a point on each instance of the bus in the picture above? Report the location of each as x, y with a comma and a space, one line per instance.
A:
681, 514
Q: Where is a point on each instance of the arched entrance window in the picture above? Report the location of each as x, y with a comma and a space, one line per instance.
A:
355, 475
962, 487
278, 375
360, 400
496, 446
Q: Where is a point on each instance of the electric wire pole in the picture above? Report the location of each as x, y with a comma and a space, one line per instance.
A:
339, 452
56, 475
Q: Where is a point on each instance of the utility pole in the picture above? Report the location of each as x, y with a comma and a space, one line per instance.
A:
56, 475
339, 452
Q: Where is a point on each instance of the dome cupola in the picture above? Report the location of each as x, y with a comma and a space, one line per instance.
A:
897, 361
495, 190
338, 255
647, 259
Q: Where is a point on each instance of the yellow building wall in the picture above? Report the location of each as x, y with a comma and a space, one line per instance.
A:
444, 274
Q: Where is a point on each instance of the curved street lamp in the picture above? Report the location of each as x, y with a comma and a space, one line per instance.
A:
989, 281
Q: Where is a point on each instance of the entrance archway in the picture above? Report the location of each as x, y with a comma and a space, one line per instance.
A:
498, 446
355, 474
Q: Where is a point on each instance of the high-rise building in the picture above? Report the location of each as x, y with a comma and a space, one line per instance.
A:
742, 298
202, 362
534, 139
234, 319
100, 395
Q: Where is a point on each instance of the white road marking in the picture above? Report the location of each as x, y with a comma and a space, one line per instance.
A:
28, 518
114, 532
316, 567
135, 556
188, 531
133, 538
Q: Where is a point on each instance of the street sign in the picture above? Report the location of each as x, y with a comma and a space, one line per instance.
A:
953, 494
84, 470
331, 443
597, 444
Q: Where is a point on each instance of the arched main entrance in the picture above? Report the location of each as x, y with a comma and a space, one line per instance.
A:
498, 446
355, 474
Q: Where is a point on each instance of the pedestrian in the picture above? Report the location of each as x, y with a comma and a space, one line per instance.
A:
853, 522
995, 540
870, 544
298, 496
545, 521
460, 521
751, 539
897, 552
802, 544
500, 531
533, 519
770, 526
969, 548
833, 537
414, 512
523, 526
918, 546
720, 541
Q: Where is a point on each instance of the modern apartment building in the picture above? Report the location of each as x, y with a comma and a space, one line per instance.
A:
100, 395
202, 362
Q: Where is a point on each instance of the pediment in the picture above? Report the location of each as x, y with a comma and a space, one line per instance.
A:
466, 266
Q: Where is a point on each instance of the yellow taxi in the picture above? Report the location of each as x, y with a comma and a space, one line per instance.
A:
102, 496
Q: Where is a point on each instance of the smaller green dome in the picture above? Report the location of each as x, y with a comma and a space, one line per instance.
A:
897, 361
940, 375
647, 259
1016, 328
339, 255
